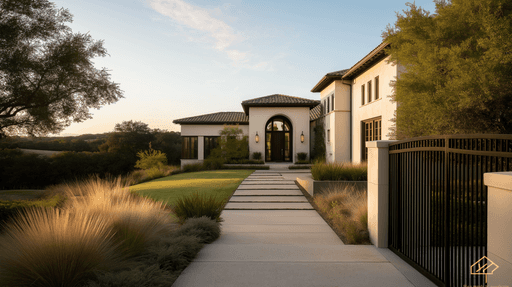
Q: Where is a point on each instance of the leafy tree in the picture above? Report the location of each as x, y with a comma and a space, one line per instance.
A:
128, 138
233, 145
47, 78
457, 68
151, 159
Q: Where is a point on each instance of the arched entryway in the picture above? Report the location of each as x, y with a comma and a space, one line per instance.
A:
278, 139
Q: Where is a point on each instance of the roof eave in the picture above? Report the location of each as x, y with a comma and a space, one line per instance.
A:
368, 58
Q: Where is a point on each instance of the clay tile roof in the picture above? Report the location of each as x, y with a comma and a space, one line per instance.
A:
315, 113
215, 118
278, 100
328, 79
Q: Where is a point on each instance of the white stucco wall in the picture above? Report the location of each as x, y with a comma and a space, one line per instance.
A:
383, 107
201, 131
337, 120
299, 118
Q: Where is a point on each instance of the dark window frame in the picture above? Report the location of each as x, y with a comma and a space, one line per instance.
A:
332, 101
369, 91
362, 95
210, 142
377, 88
189, 147
371, 130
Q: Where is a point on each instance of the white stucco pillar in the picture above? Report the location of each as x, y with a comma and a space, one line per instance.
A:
499, 227
378, 192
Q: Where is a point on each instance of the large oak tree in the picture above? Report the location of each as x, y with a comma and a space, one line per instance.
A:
457, 68
47, 78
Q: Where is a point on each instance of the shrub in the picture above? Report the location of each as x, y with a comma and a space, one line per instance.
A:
151, 159
339, 171
206, 229
302, 162
155, 172
176, 252
196, 205
302, 156
299, 167
51, 247
256, 155
213, 163
9, 209
140, 276
193, 167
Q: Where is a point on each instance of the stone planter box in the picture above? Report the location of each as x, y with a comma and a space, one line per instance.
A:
314, 187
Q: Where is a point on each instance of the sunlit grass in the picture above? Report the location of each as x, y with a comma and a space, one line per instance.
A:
169, 189
340, 171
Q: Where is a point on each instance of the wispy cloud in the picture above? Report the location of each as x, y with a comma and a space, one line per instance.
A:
199, 19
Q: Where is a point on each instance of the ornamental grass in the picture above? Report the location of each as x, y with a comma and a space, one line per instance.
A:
340, 171
347, 212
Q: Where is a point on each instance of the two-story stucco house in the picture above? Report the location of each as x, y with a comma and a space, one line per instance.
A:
354, 107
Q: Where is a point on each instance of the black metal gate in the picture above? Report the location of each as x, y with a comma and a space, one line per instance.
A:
437, 202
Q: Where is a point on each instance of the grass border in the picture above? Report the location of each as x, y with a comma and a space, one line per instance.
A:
336, 230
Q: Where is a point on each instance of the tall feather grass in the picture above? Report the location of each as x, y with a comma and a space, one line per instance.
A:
340, 171
51, 247
100, 225
347, 211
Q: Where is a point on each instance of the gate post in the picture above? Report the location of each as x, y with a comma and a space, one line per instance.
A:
499, 230
378, 191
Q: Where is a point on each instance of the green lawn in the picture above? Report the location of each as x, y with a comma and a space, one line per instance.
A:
221, 183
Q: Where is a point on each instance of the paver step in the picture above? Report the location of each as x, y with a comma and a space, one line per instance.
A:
267, 192
267, 186
296, 198
268, 206
267, 182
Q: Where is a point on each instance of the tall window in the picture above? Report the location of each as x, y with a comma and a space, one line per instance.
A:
371, 131
328, 108
189, 147
209, 144
362, 95
369, 91
377, 87
332, 102
328, 135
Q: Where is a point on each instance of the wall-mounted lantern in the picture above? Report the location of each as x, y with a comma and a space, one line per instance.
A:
257, 138
302, 137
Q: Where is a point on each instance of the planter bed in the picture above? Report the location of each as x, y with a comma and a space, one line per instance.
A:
314, 187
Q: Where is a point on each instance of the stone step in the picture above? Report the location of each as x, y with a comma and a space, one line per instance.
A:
268, 192
267, 182
267, 186
268, 199
268, 206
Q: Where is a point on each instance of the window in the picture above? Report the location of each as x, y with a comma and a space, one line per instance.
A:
377, 87
328, 109
369, 91
209, 144
328, 135
362, 95
371, 131
189, 147
332, 102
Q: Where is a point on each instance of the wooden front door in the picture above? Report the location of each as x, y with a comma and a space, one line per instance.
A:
277, 146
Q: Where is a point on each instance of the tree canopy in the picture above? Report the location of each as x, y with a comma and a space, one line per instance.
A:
456, 68
47, 78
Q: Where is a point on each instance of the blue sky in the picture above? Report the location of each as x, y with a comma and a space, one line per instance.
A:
181, 58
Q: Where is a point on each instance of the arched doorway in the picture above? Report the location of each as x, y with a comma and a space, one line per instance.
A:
278, 139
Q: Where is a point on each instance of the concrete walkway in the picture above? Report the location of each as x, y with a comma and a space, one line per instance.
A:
272, 236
